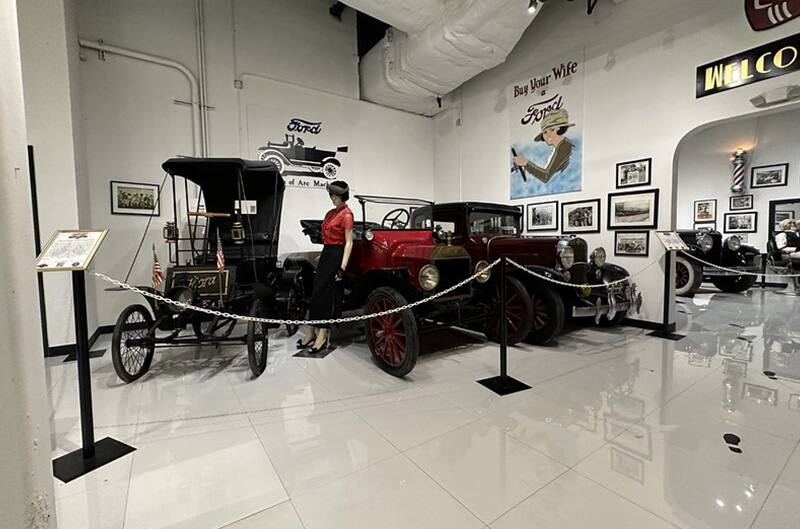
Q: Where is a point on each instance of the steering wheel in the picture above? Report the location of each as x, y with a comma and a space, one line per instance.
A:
397, 219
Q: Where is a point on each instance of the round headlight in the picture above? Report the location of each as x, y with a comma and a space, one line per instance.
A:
428, 277
734, 243
368, 235
567, 257
705, 242
483, 271
599, 257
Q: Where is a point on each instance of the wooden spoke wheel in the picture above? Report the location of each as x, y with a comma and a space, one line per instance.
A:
548, 314
131, 352
688, 276
257, 340
519, 312
394, 338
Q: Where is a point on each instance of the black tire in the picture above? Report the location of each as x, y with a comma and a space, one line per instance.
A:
294, 311
688, 276
257, 341
519, 312
131, 363
393, 340
548, 314
734, 284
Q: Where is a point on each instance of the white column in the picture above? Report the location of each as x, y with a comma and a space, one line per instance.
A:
26, 487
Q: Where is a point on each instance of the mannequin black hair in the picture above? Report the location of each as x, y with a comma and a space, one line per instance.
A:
340, 189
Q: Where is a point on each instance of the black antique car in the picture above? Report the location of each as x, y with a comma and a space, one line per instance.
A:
241, 221
709, 246
292, 154
783, 254
489, 231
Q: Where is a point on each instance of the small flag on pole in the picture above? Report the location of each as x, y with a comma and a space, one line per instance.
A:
158, 274
220, 255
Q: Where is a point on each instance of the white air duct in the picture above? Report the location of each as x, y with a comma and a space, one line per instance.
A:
435, 46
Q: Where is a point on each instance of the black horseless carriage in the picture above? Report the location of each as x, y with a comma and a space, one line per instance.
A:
709, 246
242, 213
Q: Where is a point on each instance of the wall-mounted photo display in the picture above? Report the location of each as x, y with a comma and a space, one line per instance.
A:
769, 176
634, 173
580, 217
133, 198
633, 209
745, 222
741, 202
632, 243
705, 210
711, 226
542, 216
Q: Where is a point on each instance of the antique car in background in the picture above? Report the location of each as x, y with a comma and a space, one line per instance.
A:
489, 231
394, 263
293, 154
249, 283
783, 254
709, 246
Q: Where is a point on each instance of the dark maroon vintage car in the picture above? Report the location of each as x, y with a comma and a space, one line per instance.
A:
489, 231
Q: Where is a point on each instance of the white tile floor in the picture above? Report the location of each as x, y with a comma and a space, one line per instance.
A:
620, 430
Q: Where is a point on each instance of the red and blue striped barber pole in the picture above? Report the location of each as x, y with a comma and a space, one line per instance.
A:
739, 161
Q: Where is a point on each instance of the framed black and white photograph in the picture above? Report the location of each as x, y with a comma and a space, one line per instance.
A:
542, 216
709, 226
634, 173
745, 222
780, 216
705, 210
740, 202
580, 217
133, 198
633, 209
769, 175
632, 243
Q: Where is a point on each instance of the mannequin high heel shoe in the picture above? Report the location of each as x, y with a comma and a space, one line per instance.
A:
305, 345
323, 347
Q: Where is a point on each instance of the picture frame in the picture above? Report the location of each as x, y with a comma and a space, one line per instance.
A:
741, 222
582, 216
632, 243
705, 210
781, 215
705, 225
135, 198
775, 175
740, 202
634, 173
541, 216
633, 209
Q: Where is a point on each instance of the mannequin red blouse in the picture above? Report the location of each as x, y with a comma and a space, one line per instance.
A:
336, 222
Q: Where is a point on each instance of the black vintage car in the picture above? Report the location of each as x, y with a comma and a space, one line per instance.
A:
709, 246
293, 157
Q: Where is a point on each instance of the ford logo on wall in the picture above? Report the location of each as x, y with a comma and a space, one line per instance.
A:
304, 127
767, 14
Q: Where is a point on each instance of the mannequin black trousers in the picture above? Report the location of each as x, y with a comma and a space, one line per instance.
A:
326, 298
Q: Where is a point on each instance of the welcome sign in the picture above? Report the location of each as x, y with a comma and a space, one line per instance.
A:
764, 62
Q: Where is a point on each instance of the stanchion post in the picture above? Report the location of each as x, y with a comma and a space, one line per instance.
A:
503, 320
82, 353
667, 330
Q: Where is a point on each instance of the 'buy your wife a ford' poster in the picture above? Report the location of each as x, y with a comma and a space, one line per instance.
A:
546, 114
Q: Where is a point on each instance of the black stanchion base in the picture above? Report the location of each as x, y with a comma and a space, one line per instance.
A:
305, 353
667, 335
74, 465
504, 385
92, 354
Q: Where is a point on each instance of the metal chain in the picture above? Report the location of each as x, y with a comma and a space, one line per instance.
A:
739, 272
586, 285
187, 306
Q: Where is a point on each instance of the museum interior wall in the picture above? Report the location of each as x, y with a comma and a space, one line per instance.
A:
639, 102
704, 167
294, 60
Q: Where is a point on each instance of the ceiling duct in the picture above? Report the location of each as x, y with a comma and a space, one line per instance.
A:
434, 46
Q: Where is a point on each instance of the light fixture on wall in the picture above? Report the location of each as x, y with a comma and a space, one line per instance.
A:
739, 160
783, 94
533, 5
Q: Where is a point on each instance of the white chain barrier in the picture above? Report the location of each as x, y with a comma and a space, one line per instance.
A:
350, 319
734, 271
586, 285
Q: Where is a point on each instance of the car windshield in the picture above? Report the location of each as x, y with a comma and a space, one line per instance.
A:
493, 223
391, 213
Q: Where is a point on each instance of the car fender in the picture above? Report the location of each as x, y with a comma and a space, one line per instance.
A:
396, 278
331, 159
267, 152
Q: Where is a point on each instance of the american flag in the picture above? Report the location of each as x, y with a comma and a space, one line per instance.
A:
158, 274
220, 255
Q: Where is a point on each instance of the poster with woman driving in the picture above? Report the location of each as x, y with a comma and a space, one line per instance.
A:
546, 115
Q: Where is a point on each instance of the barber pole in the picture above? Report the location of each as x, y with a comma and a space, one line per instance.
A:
739, 161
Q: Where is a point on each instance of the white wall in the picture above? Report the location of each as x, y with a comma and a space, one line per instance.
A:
705, 170
639, 102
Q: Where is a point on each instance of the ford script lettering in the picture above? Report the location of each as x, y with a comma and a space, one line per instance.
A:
537, 111
303, 126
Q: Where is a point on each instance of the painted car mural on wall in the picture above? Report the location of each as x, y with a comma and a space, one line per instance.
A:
292, 157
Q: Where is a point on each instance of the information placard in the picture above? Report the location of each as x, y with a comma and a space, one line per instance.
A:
69, 250
671, 240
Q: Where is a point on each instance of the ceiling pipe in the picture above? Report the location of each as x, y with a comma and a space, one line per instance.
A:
197, 133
